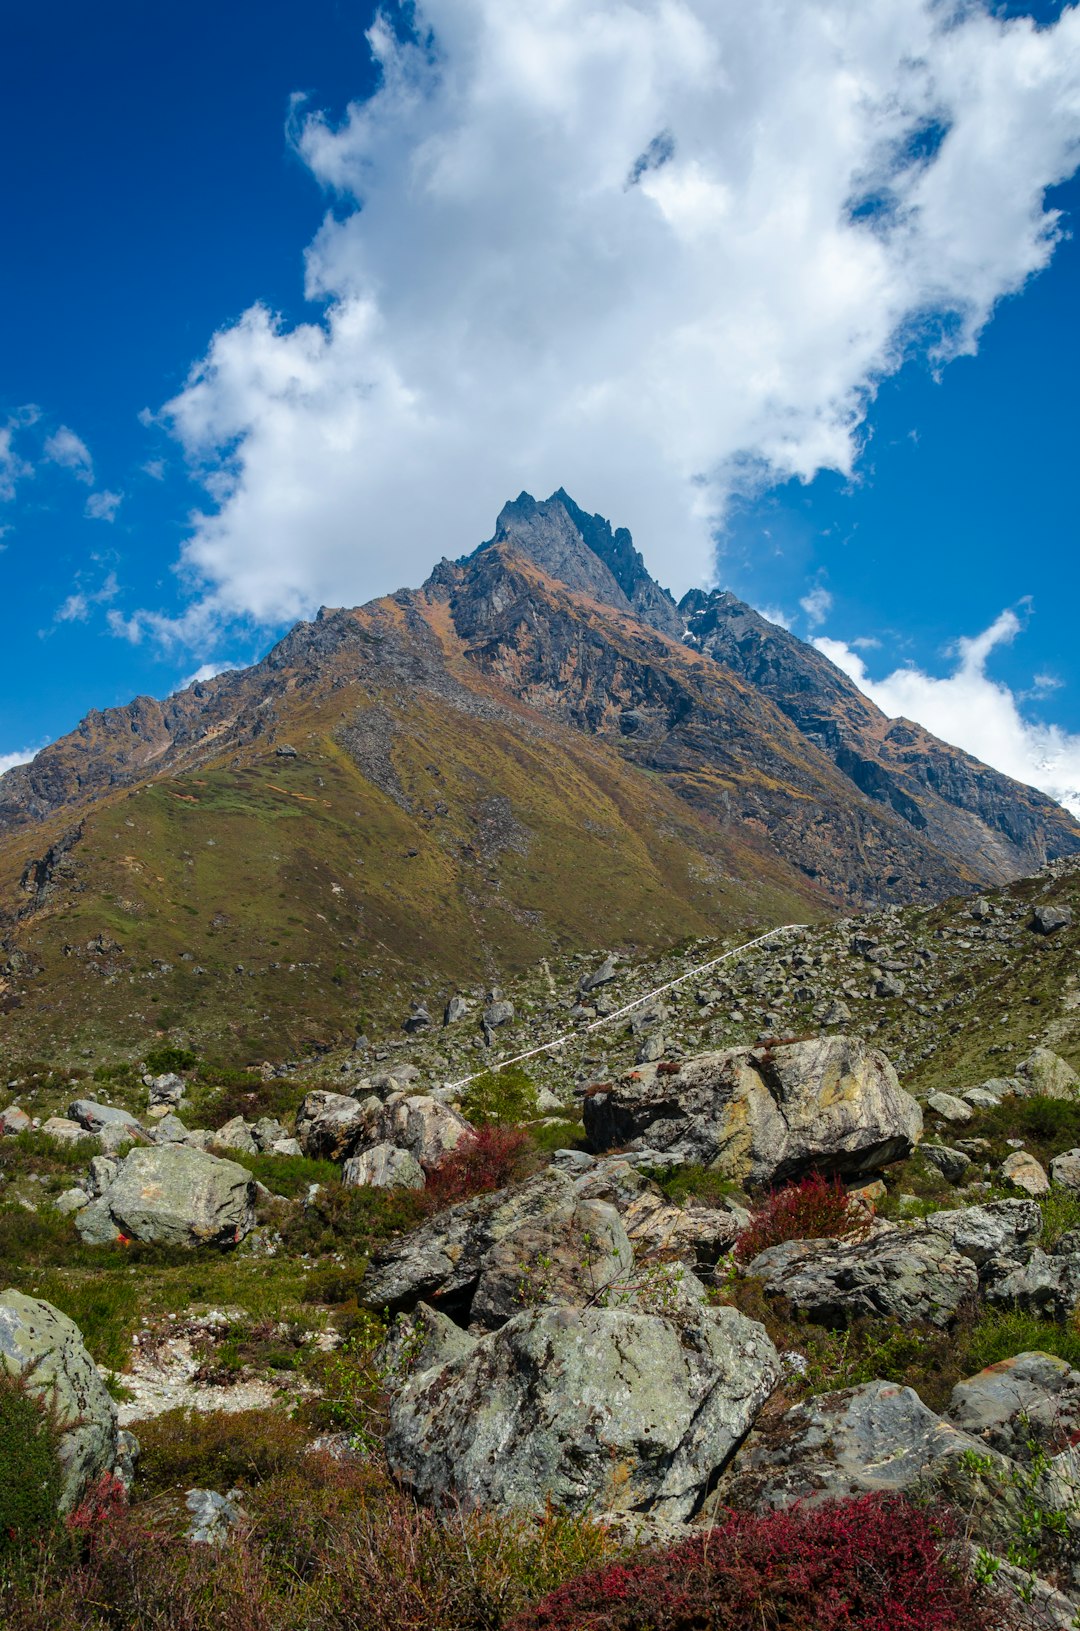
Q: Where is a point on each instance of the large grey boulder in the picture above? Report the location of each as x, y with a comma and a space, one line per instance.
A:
1031, 1399
329, 1124
694, 1234
1046, 1073
443, 1259
415, 1122
1045, 1285
987, 1235
578, 1254
44, 1346
761, 1115
383, 1166
902, 1274
877, 1437
593, 1410
171, 1195
96, 1117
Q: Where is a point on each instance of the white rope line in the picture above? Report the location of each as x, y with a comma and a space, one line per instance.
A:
620, 1013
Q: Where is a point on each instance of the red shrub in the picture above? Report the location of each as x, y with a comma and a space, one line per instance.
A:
101, 1504
874, 1563
816, 1208
490, 1158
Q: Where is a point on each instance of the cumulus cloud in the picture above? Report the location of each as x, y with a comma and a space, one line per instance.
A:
69, 451
817, 605
659, 251
973, 711
103, 506
208, 671
21, 756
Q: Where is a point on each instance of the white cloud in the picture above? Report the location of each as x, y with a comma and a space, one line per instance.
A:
78, 605
69, 451
975, 712
817, 605
774, 614
658, 251
103, 506
12, 467
208, 671
21, 756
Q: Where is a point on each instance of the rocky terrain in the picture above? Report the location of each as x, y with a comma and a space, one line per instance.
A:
534, 750
752, 1234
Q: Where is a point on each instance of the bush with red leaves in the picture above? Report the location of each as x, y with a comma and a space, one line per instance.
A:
101, 1503
874, 1563
489, 1158
816, 1208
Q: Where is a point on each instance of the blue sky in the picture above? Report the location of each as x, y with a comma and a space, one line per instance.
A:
586, 246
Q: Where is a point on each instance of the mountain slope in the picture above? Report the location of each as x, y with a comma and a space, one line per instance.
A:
536, 750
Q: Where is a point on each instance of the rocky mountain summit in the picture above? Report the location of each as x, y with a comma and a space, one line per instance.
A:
535, 747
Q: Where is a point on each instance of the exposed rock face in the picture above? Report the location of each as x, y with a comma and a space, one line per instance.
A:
573, 1257
764, 1115
940, 792
1032, 1398
988, 1236
903, 1274
383, 1166
595, 1409
42, 1344
875, 1437
329, 1124
1046, 1073
171, 1195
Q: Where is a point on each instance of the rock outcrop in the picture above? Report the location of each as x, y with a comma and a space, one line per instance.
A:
44, 1346
598, 1410
171, 1195
763, 1115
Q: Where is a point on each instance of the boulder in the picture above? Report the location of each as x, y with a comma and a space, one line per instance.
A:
172, 1195
213, 1515
72, 1200
903, 1274
1047, 919
1045, 1285
762, 1115
950, 1108
1065, 1170
456, 1009
576, 1255
1022, 1171
166, 1091
497, 1014
44, 1346
384, 1166
952, 1164
877, 1437
1030, 1399
13, 1120
97, 1117
415, 1122
66, 1130
987, 1235
592, 1410
1046, 1073
328, 1125
236, 1135
599, 976
654, 1225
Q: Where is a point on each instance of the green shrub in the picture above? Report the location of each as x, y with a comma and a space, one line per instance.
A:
693, 1185
30, 1476
500, 1098
1060, 1213
168, 1060
354, 1220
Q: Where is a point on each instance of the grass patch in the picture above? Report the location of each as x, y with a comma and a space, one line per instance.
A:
288, 1175
693, 1185
1002, 1335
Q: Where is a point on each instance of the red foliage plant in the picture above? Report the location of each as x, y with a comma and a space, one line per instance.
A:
816, 1208
101, 1503
873, 1563
489, 1158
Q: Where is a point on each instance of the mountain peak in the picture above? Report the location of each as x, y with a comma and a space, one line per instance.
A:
585, 553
